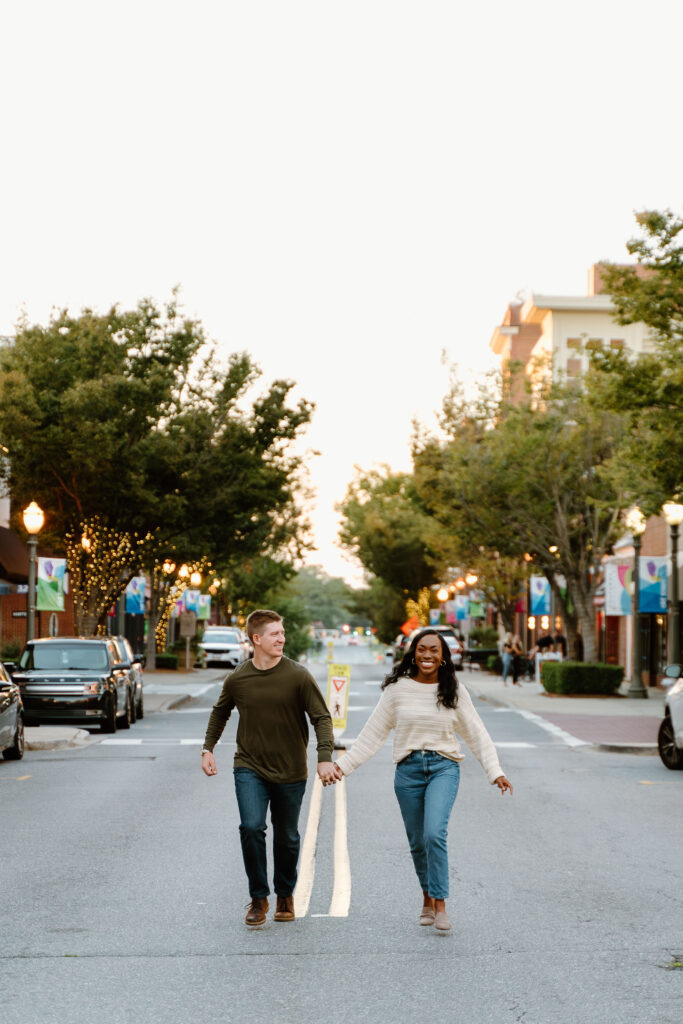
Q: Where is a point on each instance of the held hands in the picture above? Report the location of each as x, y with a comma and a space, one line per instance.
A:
329, 773
503, 784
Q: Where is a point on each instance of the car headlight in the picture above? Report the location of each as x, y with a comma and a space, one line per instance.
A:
92, 688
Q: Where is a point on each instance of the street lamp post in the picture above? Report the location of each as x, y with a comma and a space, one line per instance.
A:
636, 522
673, 513
34, 517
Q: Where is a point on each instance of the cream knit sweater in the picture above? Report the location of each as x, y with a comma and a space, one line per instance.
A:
419, 723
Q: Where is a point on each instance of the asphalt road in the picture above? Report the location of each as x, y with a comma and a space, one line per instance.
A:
124, 894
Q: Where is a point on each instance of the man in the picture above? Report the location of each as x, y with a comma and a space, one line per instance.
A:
272, 695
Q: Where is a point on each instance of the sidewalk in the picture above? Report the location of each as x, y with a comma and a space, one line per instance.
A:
163, 691
614, 723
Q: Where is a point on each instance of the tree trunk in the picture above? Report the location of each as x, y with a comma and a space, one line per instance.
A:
587, 625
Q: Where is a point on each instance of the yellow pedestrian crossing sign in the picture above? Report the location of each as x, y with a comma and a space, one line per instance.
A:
338, 686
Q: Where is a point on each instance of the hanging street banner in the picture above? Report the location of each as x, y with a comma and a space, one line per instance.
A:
50, 585
338, 686
135, 596
191, 601
540, 595
462, 607
653, 574
618, 587
451, 612
434, 616
204, 611
476, 610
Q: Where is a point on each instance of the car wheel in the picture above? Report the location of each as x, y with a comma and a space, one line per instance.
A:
133, 711
108, 723
127, 716
16, 751
671, 756
140, 712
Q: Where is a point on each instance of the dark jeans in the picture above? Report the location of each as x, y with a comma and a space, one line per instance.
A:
253, 796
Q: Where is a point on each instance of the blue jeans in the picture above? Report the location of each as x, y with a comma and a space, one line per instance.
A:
253, 796
507, 665
426, 785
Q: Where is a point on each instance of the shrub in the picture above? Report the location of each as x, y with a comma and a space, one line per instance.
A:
483, 636
480, 655
167, 660
10, 651
580, 677
494, 663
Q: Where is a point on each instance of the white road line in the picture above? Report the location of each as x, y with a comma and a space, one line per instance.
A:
341, 890
190, 743
304, 886
120, 743
513, 744
566, 737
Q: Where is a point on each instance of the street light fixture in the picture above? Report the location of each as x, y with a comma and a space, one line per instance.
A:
442, 594
635, 523
183, 572
673, 513
471, 578
196, 579
34, 517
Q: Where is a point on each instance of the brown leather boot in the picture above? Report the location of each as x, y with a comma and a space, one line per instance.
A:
256, 914
284, 911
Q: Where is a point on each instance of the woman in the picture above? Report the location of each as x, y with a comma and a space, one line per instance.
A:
517, 659
507, 657
424, 705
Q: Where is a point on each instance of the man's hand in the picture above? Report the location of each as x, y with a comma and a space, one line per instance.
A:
503, 784
209, 763
328, 773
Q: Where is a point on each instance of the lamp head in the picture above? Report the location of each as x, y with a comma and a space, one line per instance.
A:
673, 513
442, 594
34, 517
196, 579
635, 521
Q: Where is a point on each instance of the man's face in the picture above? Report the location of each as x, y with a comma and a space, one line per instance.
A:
271, 639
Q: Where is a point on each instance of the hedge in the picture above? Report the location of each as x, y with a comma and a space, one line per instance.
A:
479, 655
580, 677
494, 663
167, 660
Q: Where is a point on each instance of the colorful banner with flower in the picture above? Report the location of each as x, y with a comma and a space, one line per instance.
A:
654, 571
618, 587
50, 584
135, 596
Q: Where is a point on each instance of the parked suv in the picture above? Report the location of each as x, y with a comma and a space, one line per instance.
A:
133, 664
11, 718
670, 738
74, 680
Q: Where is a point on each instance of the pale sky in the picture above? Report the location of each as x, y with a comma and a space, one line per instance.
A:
343, 190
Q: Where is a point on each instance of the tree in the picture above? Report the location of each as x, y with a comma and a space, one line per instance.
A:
530, 480
648, 390
327, 599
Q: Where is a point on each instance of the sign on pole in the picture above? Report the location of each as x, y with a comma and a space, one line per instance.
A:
338, 686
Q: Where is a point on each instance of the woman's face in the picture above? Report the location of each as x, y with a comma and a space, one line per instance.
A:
428, 655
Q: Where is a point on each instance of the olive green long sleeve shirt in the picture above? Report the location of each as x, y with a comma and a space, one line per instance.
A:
272, 734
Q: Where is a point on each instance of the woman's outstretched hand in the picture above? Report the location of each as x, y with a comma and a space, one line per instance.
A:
503, 784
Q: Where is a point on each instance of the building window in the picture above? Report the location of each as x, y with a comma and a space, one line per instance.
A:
594, 343
574, 367
616, 343
574, 343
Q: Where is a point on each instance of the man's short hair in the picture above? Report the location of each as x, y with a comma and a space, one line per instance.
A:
260, 618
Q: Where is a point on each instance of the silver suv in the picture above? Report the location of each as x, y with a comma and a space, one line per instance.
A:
224, 646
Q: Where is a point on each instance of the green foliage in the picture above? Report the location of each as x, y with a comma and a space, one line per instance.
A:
297, 625
648, 390
483, 636
494, 663
480, 655
580, 677
165, 659
385, 526
327, 599
10, 651
382, 606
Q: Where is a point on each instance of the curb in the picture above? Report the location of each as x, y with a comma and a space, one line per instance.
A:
78, 739
627, 748
175, 702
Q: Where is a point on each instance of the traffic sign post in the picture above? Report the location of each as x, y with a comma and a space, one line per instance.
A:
338, 687
188, 628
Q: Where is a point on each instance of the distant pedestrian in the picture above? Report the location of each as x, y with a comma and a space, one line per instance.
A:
273, 695
506, 657
518, 659
561, 644
425, 705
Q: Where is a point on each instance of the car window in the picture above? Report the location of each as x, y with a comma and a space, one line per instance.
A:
65, 657
227, 637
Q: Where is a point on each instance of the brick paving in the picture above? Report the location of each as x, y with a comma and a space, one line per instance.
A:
606, 728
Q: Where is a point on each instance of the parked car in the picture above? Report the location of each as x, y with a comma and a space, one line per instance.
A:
224, 646
134, 664
448, 634
74, 680
11, 718
670, 738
